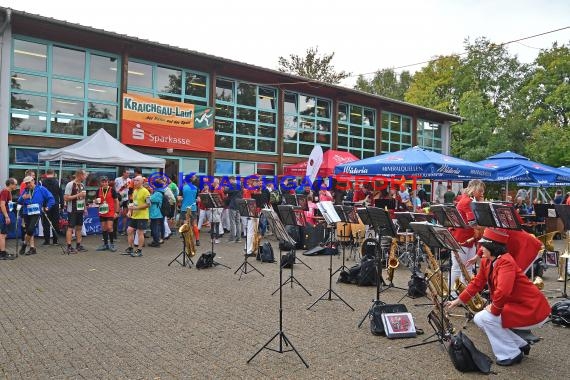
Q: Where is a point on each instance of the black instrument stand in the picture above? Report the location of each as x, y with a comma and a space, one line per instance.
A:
186, 259
247, 209
288, 218
382, 224
563, 212
212, 201
281, 334
347, 215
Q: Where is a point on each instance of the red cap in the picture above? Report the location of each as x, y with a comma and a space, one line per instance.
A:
496, 235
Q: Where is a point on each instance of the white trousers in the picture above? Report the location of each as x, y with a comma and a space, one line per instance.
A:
167, 230
226, 219
465, 254
252, 225
505, 343
204, 214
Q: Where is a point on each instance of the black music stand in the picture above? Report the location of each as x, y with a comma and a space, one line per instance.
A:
498, 215
436, 237
331, 216
290, 199
212, 200
247, 208
563, 212
382, 224
404, 219
281, 235
287, 215
448, 216
347, 215
186, 258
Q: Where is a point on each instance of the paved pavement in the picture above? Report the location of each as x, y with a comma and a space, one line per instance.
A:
104, 315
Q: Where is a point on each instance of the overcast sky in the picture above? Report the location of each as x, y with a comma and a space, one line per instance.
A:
365, 35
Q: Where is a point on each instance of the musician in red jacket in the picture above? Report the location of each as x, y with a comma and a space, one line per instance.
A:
515, 301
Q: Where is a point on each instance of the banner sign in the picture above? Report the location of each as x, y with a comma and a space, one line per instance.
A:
162, 123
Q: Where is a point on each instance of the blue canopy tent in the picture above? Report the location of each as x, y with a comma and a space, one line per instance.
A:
417, 162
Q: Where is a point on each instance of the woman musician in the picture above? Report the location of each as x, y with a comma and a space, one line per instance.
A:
515, 301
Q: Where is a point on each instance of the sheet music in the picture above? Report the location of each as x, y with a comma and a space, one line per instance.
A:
329, 213
277, 226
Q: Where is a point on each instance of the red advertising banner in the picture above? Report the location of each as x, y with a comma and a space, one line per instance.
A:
162, 123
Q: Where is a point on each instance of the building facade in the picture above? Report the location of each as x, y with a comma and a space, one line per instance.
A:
61, 82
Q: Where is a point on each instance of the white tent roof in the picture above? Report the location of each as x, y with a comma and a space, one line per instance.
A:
103, 149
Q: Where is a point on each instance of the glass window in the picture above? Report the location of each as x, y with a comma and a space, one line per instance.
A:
245, 143
27, 102
139, 75
27, 82
66, 126
94, 126
29, 123
224, 90
246, 94
342, 113
67, 88
68, 62
429, 135
267, 98
396, 133
357, 130
30, 55
101, 111
168, 80
306, 105
223, 110
196, 85
223, 141
67, 107
323, 109
103, 69
224, 126
104, 93
290, 103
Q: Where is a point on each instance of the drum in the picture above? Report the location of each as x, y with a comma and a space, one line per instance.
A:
385, 242
406, 237
343, 231
358, 232
368, 248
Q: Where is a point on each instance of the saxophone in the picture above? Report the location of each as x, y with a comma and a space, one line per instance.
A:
434, 275
475, 304
187, 232
393, 261
256, 238
435, 315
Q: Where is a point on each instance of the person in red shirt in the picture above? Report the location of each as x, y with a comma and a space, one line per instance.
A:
467, 237
5, 221
108, 202
516, 302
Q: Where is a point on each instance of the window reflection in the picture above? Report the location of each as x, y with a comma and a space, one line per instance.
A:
30, 55
196, 85
245, 129
223, 141
96, 92
101, 111
139, 75
30, 123
27, 82
68, 62
306, 105
67, 107
246, 94
168, 80
94, 126
266, 146
29, 102
67, 88
323, 108
266, 98
223, 110
103, 69
290, 104
224, 126
224, 90
64, 126
244, 143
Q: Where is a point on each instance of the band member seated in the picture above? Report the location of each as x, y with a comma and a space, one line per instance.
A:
515, 301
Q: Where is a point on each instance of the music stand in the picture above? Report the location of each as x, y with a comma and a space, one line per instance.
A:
382, 224
498, 215
404, 219
290, 199
212, 200
281, 235
247, 208
302, 201
287, 214
563, 212
347, 215
331, 216
186, 258
436, 237
448, 216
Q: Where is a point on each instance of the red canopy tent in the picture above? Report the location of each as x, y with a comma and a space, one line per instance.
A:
331, 158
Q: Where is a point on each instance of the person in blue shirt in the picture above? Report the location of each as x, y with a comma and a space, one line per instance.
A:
33, 199
155, 215
188, 199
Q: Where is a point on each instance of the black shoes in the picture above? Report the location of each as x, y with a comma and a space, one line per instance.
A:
507, 362
197, 243
154, 244
525, 349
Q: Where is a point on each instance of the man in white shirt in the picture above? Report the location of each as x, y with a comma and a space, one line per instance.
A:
122, 185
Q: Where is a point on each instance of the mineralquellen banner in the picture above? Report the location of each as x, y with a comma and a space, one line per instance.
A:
162, 123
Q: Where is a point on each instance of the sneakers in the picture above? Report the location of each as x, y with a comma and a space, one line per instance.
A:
103, 247
197, 243
112, 247
46, 242
9, 257
70, 250
154, 244
238, 240
137, 253
22, 250
128, 251
31, 251
216, 241
80, 248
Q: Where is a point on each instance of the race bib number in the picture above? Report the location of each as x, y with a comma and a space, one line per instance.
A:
33, 209
10, 206
80, 205
103, 208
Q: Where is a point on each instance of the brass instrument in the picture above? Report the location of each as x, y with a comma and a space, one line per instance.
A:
563, 260
393, 261
538, 282
256, 237
476, 303
435, 315
434, 275
187, 231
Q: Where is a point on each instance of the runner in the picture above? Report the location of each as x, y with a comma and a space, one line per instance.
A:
75, 195
108, 202
34, 199
6, 207
139, 214
122, 185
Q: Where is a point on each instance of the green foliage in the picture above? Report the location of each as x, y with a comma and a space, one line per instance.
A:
312, 66
385, 83
550, 144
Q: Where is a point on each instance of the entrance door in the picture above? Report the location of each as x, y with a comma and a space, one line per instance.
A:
171, 170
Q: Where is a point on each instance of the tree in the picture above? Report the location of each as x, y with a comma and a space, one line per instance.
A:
385, 83
434, 86
312, 66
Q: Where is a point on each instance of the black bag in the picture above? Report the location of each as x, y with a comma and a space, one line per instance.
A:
376, 323
287, 260
466, 357
349, 276
265, 254
165, 207
417, 286
206, 260
367, 275
561, 313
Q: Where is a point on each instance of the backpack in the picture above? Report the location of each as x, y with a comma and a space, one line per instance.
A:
165, 208
368, 274
466, 357
417, 286
206, 260
274, 197
288, 260
265, 254
376, 322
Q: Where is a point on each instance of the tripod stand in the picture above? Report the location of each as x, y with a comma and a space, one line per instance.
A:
563, 212
288, 218
248, 209
381, 223
347, 215
212, 201
281, 334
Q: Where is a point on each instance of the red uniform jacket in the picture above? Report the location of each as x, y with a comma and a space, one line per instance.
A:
464, 234
523, 246
517, 300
